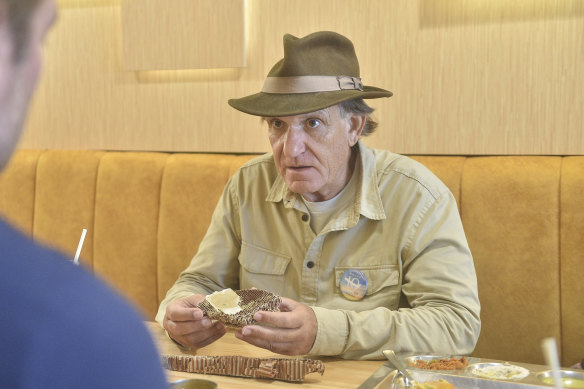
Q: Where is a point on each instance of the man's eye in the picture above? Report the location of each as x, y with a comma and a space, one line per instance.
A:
313, 123
276, 124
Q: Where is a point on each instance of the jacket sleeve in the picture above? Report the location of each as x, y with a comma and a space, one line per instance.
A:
440, 309
215, 266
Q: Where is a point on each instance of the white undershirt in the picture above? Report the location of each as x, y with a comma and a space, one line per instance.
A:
321, 212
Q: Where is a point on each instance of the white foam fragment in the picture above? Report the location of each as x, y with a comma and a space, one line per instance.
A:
226, 301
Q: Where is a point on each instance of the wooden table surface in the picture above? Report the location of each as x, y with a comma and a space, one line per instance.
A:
339, 373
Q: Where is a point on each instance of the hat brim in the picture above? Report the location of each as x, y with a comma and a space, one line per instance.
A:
278, 105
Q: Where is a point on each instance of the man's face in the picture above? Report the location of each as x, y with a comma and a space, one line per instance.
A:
312, 151
18, 78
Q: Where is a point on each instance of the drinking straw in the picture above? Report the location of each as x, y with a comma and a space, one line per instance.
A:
550, 352
76, 259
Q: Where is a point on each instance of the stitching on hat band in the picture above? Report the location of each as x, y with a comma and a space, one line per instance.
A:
311, 84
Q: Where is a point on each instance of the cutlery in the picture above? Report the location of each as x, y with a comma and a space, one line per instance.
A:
400, 366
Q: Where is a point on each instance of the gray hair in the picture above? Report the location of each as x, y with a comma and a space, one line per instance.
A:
359, 107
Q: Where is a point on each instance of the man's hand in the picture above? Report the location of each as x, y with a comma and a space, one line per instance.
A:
186, 324
291, 331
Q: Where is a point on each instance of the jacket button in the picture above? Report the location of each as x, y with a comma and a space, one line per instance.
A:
310, 264
305, 218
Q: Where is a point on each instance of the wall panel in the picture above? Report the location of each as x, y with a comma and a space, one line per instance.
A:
182, 34
469, 78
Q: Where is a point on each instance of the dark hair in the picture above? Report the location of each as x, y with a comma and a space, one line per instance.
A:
19, 14
359, 107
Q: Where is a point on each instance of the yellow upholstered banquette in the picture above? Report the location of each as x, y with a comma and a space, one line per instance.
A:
146, 213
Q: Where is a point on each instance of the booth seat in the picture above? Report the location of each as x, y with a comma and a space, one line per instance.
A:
146, 212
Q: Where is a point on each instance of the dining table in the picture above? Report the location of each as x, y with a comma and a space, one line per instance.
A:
338, 373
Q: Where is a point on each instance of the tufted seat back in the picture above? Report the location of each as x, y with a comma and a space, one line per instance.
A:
147, 212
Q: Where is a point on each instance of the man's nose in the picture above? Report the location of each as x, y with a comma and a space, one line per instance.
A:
294, 144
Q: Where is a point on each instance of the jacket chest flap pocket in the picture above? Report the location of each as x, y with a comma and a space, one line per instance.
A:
262, 269
383, 284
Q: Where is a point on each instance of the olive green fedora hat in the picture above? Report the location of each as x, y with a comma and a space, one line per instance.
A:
317, 71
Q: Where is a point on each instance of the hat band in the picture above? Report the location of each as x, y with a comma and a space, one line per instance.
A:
311, 84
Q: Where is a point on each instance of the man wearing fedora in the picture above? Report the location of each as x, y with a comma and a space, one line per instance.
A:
366, 247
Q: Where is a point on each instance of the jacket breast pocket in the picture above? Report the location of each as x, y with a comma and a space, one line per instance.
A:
262, 268
383, 285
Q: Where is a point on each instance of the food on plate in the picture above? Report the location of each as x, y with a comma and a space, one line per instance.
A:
452, 363
236, 308
499, 371
439, 384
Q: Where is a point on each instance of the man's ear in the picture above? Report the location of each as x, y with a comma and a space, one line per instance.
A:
357, 123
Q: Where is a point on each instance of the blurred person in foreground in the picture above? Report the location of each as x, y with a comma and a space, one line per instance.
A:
60, 327
365, 246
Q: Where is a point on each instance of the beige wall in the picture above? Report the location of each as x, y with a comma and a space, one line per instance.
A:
469, 77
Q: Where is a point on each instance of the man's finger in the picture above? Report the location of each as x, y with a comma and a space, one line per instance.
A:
219, 331
269, 334
275, 319
176, 313
186, 327
287, 304
185, 309
272, 342
278, 319
202, 338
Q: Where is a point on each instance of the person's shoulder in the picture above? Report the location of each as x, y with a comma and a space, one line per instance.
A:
264, 161
255, 170
15, 244
61, 312
39, 275
390, 165
29, 267
99, 319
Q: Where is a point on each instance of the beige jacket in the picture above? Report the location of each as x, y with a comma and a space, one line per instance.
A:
403, 231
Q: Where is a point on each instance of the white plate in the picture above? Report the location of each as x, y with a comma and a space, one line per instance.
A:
498, 371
